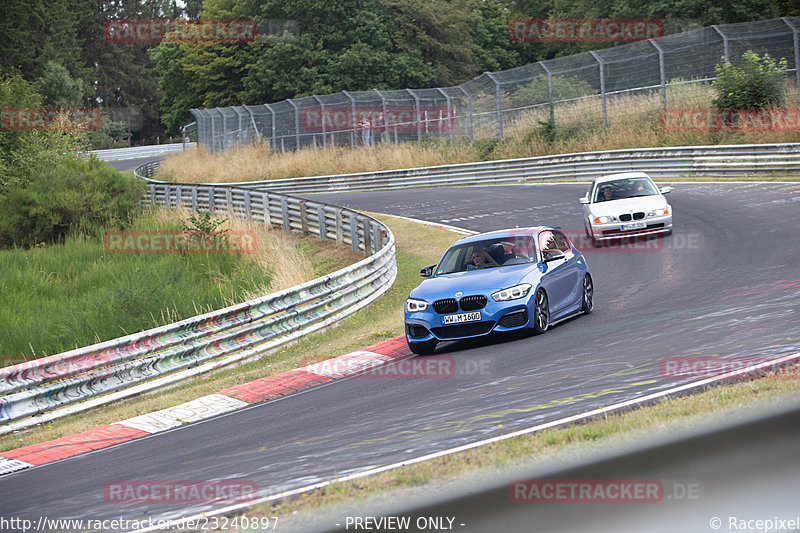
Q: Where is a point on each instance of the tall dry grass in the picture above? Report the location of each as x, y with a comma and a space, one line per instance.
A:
633, 122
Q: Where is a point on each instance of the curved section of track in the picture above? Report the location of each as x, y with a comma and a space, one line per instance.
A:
726, 283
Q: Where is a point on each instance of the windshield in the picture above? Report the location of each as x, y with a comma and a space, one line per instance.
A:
490, 253
624, 188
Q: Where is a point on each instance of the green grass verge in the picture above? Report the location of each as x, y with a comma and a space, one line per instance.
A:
383, 319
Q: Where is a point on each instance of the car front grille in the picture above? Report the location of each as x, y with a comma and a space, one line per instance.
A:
415, 331
463, 330
448, 305
512, 320
472, 303
626, 217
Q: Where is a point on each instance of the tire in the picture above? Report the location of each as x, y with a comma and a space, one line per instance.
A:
588, 295
541, 312
422, 348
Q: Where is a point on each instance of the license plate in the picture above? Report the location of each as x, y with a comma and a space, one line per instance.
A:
635, 225
463, 317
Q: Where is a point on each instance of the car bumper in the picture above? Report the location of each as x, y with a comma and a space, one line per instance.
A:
615, 230
427, 325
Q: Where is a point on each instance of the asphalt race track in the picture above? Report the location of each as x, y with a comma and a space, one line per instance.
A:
725, 283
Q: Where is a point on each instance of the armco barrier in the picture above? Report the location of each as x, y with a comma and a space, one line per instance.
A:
163, 355
724, 161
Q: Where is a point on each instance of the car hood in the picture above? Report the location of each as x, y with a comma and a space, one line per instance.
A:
484, 281
629, 205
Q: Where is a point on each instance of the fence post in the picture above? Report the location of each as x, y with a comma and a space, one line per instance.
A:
725, 55
602, 86
796, 56
385, 112
417, 114
498, 96
274, 129
469, 112
354, 141
322, 118
550, 93
296, 123
661, 72
449, 115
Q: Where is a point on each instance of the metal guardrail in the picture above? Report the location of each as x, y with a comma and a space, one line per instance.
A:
139, 152
183, 349
726, 161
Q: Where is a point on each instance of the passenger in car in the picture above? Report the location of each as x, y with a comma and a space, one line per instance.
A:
481, 259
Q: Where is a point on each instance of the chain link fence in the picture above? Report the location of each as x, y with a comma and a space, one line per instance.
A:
592, 88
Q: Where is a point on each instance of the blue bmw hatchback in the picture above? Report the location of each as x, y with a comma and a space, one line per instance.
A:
500, 281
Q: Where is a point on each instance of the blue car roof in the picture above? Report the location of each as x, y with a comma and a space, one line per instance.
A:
499, 234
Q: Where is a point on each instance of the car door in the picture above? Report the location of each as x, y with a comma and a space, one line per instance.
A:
556, 278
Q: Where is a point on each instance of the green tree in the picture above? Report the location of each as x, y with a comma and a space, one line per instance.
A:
57, 88
756, 83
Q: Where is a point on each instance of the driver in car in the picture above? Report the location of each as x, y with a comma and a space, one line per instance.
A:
481, 259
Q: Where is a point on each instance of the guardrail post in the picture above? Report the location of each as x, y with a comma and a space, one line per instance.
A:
194, 198
367, 244
212, 200
323, 231
228, 201
152, 195
725, 55
179, 193
499, 98
469, 112
303, 217
377, 241
339, 236
285, 214
602, 86
353, 232
267, 217
247, 206
796, 55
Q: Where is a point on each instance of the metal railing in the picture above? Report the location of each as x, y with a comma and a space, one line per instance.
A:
135, 363
138, 152
596, 87
729, 161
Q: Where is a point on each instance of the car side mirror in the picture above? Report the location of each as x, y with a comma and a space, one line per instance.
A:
665, 190
427, 271
584, 200
552, 255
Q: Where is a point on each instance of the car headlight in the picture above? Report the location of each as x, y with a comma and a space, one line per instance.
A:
658, 212
414, 306
604, 220
512, 293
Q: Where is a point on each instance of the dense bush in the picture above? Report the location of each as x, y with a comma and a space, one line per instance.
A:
72, 195
756, 83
